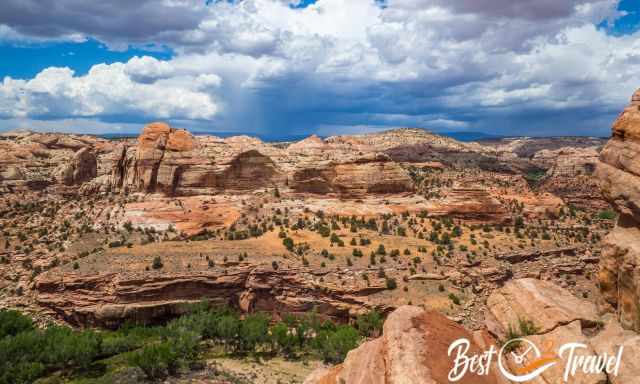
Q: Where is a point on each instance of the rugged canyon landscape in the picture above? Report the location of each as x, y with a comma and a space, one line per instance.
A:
195, 258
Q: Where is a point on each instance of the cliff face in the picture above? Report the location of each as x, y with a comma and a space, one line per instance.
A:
110, 299
172, 162
619, 174
35, 161
175, 163
570, 176
354, 179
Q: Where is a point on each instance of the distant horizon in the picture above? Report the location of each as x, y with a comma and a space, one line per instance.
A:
459, 136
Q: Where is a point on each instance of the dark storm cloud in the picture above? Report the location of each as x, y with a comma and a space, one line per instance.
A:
521, 9
115, 20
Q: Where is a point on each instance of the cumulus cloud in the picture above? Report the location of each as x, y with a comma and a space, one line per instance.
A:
107, 90
265, 65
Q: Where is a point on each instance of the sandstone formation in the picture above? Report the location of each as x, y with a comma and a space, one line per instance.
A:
570, 176
542, 301
355, 179
110, 299
412, 349
35, 161
474, 204
559, 318
413, 346
619, 174
82, 167
173, 162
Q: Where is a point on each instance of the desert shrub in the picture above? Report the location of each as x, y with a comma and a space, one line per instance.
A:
370, 324
455, 299
288, 243
116, 243
525, 327
606, 215
391, 283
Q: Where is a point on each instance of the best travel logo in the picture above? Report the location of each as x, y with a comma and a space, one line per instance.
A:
521, 360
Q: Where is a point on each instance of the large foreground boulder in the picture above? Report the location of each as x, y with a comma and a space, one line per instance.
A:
553, 318
412, 350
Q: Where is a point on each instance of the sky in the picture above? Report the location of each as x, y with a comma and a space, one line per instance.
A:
296, 67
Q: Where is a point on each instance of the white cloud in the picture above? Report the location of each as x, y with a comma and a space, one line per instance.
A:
476, 64
108, 89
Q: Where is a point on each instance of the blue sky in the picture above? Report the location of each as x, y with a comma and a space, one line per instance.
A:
25, 60
278, 67
629, 23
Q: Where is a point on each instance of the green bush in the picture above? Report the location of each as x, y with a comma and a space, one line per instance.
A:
283, 339
157, 263
156, 360
13, 322
606, 215
370, 324
524, 328
30, 354
391, 283
333, 346
254, 331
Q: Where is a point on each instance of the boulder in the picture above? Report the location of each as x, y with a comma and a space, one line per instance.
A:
532, 299
557, 317
609, 340
413, 349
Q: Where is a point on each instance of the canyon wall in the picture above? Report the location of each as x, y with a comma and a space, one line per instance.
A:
619, 174
110, 299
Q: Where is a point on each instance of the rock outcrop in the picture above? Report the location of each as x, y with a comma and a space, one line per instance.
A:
543, 302
377, 175
557, 318
473, 204
110, 299
35, 161
619, 174
570, 176
414, 344
173, 162
82, 167
412, 349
